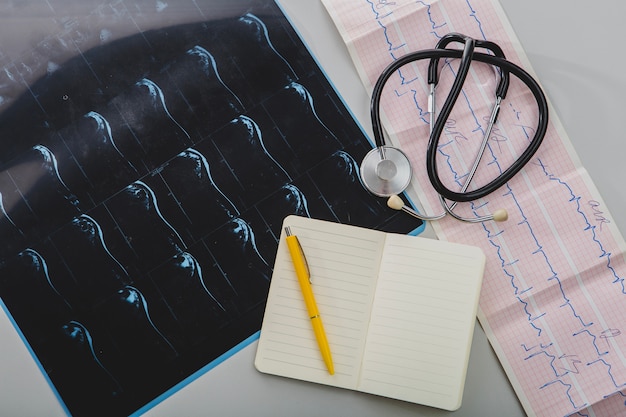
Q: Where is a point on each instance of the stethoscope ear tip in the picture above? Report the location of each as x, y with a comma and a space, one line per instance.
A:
395, 202
500, 215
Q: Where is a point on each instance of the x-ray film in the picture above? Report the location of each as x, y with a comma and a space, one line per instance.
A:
143, 184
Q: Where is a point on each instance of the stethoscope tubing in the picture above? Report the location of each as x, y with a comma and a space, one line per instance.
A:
431, 153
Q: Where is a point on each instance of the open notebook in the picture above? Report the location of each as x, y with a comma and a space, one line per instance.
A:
399, 312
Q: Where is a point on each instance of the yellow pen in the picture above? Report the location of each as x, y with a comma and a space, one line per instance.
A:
302, 271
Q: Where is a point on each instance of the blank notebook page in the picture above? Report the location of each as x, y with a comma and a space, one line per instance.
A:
422, 321
344, 265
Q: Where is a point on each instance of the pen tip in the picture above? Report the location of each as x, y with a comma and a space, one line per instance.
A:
330, 366
288, 231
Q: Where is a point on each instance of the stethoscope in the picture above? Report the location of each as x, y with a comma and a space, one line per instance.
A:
386, 170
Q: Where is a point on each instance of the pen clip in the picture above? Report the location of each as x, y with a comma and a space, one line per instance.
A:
306, 263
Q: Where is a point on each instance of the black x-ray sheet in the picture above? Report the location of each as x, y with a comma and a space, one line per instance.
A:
143, 184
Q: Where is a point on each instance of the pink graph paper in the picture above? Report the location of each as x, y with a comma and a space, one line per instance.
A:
554, 299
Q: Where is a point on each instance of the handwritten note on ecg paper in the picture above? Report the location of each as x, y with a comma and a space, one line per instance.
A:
553, 302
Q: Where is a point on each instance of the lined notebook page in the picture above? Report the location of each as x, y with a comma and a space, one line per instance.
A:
422, 321
343, 262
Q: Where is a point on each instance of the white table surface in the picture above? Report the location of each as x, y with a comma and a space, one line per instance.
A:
576, 49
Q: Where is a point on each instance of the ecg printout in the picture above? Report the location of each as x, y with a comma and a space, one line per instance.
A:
553, 300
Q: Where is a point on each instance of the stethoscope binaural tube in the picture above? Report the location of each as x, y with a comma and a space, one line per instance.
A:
506, 67
396, 202
501, 90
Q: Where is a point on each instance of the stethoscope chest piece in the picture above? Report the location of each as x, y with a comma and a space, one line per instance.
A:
386, 171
